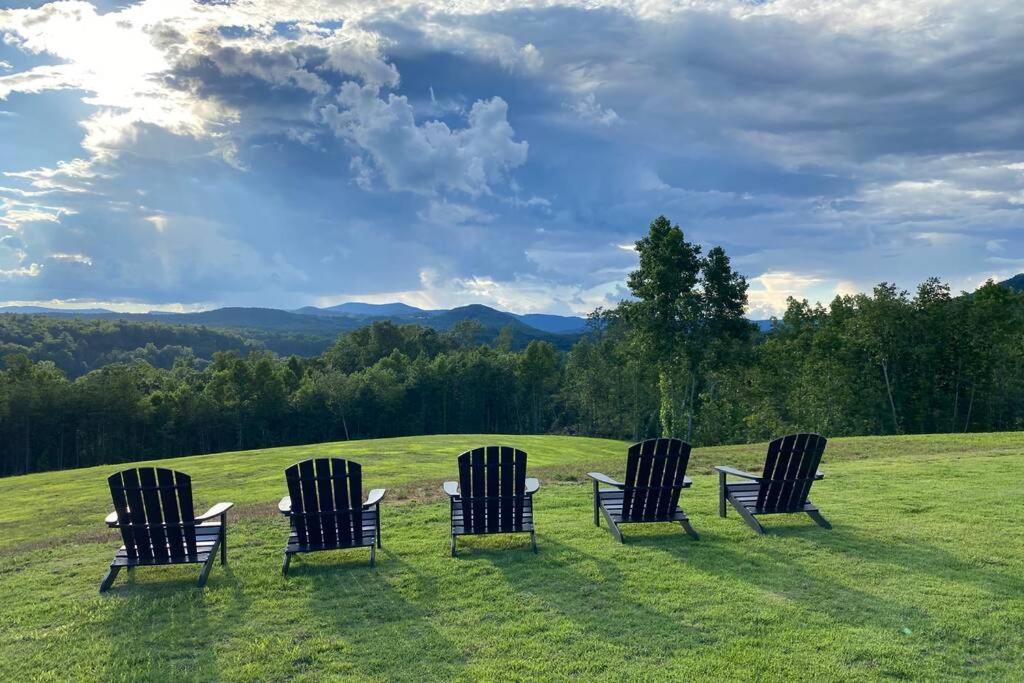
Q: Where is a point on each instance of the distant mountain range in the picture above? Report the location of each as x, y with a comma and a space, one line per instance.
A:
443, 319
326, 323
1016, 283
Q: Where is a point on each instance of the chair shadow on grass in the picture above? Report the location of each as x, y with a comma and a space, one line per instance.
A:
780, 571
143, 618
365, 608
562, 579
615, 611
910, 558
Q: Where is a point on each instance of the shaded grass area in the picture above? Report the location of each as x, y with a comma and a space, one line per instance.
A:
922, 577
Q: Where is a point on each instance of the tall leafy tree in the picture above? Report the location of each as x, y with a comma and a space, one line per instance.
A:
684, 304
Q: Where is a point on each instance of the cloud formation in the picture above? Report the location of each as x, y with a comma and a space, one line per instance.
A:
277, 153
426, 157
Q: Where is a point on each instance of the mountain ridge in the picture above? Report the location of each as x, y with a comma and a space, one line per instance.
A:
329, 321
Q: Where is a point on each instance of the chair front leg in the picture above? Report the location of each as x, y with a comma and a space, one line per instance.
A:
108, 580
224, 538
597, 506
721, 494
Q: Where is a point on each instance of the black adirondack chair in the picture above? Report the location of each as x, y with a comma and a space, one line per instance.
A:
326, 509
153, 511
789, 470
493, 494
655, 476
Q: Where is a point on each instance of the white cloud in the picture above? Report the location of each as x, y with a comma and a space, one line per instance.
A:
443, 212
31, 270
428, 157
769, 291
14, 261
71, 258
119, 306
40, 79
521, 294
590, 110
940, 239
159, 222
68, 176
14, 213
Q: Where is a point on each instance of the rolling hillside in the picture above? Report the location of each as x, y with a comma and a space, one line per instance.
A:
920, 579
319, 327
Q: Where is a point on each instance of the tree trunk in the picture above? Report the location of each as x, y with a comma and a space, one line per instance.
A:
956, 394
689, 412
970, 407
892, 403
28, 444
665, 412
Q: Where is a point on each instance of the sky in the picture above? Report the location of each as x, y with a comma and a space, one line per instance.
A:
187, 154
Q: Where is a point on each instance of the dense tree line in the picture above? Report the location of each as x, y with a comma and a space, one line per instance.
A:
78, 345
676, 359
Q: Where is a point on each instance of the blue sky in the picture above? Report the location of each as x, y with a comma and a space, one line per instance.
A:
180, 154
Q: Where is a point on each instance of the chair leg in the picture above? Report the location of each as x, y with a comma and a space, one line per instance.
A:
749, 519
224, 540
613, 528
378, 528
108, 580
284, 565
373, 556
818, 519
533, 540
453, 545
207, 566
597, 506
688, 528
721, 494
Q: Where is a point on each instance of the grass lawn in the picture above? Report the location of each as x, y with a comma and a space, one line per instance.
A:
922, 577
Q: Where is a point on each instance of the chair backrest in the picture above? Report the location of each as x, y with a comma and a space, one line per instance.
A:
154, 514
327, 502
492, 482
655, 470
789, 472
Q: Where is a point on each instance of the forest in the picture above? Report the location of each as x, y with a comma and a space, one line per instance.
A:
677, 358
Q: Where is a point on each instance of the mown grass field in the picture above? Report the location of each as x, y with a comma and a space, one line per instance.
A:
922, 577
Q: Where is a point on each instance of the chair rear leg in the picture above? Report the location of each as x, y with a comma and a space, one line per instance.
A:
533, 540
108, 580
284, 565
688, 528
721, 494
207, 566
749, 518
453, 545
373, 555
378, 528
818, 519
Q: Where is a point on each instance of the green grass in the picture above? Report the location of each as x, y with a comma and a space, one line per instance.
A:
922, 577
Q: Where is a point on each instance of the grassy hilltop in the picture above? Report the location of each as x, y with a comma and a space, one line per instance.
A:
922, 577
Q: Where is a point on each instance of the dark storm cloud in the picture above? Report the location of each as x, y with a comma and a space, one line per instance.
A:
455, 154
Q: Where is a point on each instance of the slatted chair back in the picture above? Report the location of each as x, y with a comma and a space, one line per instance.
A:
492, 482
327, 502
154, 514
789, 471
655, 470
